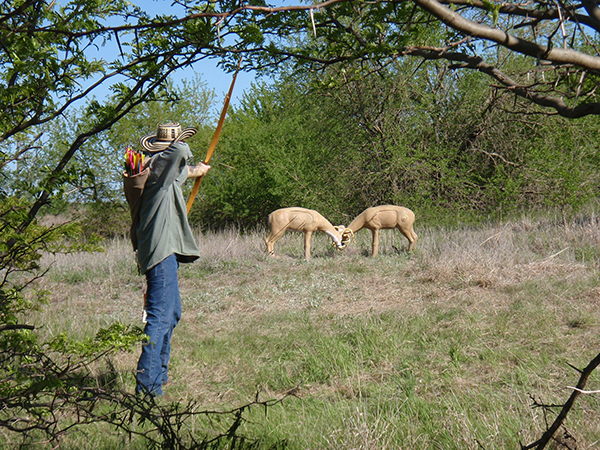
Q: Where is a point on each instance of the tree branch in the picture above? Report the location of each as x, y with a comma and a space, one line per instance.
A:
519, 45
529, 13
477, 63
585, 373
7, 327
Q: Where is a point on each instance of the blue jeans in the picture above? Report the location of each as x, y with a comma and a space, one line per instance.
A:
163, 306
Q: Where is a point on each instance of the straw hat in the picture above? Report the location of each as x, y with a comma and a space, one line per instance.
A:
166, 134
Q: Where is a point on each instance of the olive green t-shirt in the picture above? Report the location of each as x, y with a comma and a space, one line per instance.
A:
163, 228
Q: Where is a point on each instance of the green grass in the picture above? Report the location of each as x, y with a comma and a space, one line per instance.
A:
444, 348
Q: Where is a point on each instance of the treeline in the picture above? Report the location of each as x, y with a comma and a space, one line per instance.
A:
437, 141
440, 142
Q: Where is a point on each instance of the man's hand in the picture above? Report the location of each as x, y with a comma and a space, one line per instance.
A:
198, 171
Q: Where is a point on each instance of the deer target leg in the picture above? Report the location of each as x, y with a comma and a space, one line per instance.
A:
375, 244
412, 240
411, 236
307, 236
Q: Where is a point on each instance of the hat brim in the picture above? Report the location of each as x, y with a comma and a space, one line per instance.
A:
152, 144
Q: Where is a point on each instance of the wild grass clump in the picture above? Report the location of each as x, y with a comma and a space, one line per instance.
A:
447, 347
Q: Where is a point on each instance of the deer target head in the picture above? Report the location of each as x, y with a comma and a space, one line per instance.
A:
346, 234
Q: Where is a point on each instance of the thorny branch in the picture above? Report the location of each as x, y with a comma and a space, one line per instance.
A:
87, 400
562, 415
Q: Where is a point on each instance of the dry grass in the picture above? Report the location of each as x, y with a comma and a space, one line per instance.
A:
441, 348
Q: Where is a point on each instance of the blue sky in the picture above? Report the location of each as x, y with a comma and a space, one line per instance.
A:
215, 78
219, 80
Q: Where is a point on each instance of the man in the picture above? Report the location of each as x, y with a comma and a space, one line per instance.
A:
164, 240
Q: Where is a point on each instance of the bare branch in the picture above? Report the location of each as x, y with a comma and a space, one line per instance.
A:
519, 45
529, 13
547, 436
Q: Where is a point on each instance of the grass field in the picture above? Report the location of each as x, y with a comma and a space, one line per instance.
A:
443, 348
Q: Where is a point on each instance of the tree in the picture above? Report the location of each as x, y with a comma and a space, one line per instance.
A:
416, 135
50, 68
558, 39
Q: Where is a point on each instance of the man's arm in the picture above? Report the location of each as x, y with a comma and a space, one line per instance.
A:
198, 171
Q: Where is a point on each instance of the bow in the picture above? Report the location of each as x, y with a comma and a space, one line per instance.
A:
215, 139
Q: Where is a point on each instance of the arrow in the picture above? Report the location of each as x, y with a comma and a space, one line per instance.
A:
215, 139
